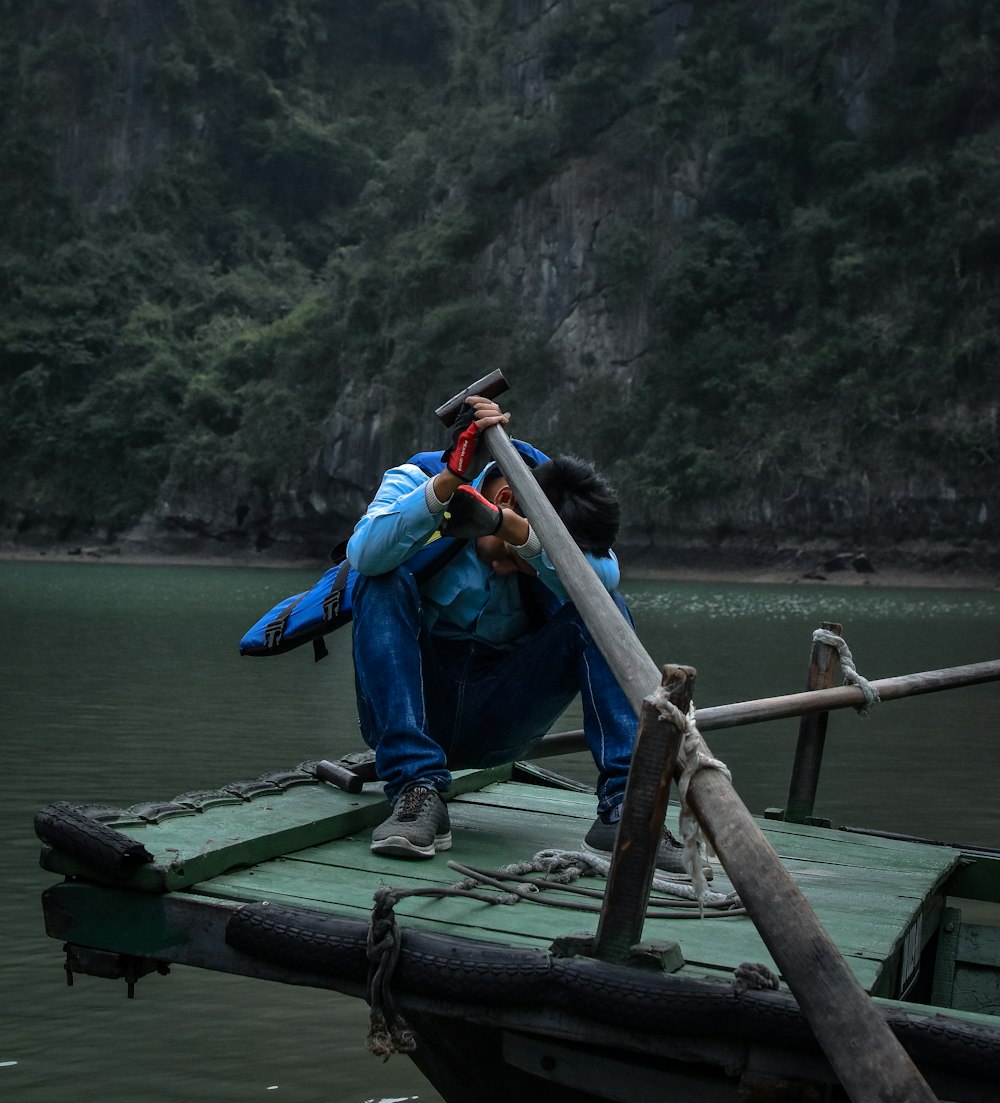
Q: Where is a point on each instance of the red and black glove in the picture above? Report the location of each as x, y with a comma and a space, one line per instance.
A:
466, 457
469, 514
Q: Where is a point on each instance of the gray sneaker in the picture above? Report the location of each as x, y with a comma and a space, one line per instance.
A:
600, 840
418, 827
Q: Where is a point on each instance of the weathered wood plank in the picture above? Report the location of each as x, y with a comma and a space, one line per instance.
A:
861, 906
477, 923
870, 893
178, 927
976, 989
922, 860
192, 848
531, 798
483, 922
299, 881
866, 890
979, 945
783, 836
867, 909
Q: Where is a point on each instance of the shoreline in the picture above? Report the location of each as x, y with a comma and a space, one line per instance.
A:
748, 574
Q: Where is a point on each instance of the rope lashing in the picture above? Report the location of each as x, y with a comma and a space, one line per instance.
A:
752, 976
851, 675
562, 867
388, 1032
693, 757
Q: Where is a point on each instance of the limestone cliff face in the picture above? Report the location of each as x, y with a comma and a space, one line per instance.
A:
547, 258
106, 142
547, 254
556, 258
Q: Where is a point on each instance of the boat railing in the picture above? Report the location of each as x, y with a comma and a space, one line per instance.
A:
810, 703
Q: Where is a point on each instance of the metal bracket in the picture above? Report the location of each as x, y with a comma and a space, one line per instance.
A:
111, 966
658, 956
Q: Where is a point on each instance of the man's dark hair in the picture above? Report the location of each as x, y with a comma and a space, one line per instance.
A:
585, 502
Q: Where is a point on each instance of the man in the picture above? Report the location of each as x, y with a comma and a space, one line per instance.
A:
473, 666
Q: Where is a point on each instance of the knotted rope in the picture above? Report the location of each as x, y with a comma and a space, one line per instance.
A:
388, 1032
560, 868
851, 675
754, 977
693, 757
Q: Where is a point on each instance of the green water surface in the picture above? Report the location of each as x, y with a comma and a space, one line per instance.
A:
123, 683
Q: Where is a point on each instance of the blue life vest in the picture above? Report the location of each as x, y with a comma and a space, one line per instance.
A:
307, 617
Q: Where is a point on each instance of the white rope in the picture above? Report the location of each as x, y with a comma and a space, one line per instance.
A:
693, 757
556, 860
851, 675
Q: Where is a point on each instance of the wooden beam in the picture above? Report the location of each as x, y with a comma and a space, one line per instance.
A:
640, 829
812, 732
844, 697
871, 1064
743, 713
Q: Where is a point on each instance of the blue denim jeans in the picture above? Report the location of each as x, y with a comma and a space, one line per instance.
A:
429, 705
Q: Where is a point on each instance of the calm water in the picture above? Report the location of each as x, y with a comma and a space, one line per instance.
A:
123, 684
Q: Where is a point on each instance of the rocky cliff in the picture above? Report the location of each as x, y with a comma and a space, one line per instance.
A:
713, 247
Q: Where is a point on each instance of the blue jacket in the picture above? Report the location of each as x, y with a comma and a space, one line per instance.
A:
466, 599
463, 597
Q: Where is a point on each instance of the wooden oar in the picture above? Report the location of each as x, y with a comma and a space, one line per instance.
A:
741, 713
864, 1053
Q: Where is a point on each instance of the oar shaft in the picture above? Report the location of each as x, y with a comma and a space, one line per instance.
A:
743, 713
866, 1056
843, 697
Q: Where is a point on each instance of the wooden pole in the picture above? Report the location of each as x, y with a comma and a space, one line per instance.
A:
846, 697
871, 1064
812, 733
640, 829
744, 713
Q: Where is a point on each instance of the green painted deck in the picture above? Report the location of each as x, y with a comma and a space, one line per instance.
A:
307, 846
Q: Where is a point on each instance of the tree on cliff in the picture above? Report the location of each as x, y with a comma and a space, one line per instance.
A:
237, 233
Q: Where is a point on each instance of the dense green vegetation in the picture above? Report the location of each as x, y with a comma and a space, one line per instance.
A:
316, 180
829, 306
210, 313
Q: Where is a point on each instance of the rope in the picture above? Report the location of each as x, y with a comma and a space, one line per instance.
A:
693, 757
851, 675
388, 1031
562, 867
754, 977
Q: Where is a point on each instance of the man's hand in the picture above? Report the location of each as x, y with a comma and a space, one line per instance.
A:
467, 455
470, 515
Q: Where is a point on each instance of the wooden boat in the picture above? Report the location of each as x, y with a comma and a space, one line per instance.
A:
273, 878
